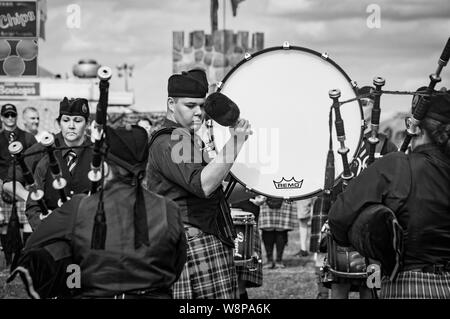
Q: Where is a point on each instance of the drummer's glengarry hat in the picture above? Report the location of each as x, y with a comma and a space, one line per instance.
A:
192, 83
72, 107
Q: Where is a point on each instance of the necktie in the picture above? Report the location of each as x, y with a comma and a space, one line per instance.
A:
71, 158
12, 137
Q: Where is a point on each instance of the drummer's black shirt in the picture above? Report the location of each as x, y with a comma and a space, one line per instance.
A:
416, 188
176, 161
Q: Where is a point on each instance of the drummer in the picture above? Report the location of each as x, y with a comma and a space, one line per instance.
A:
177, 169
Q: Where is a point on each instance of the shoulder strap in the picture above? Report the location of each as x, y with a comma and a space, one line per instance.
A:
164, 130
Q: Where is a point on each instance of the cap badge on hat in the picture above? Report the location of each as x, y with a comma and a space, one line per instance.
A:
84, 108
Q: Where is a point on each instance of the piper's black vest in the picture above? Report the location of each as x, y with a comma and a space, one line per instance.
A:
77, 183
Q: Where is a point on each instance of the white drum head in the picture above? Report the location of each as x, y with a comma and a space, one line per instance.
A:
284, 95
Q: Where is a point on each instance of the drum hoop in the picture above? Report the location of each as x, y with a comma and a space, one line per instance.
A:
329, 60
244, 222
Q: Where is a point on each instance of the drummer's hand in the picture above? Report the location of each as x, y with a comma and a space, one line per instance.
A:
258, 200
242, 129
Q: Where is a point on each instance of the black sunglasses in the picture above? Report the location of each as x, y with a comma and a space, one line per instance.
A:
13, 115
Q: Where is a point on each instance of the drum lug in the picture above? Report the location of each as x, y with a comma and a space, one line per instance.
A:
286, 45
247, 56
324, 56
354, 84
219, 85
335, 93
379, 81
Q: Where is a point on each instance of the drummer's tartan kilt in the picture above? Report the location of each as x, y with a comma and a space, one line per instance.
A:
209, 272
417, 285
5, 212
252, 278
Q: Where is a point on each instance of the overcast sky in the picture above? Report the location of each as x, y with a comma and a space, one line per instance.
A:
404, 50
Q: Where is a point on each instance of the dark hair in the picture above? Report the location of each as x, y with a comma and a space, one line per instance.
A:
88, 120
439, 133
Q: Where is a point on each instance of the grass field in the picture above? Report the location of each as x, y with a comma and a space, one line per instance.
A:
296, 281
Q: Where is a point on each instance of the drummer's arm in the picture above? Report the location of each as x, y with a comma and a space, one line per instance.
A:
215, 172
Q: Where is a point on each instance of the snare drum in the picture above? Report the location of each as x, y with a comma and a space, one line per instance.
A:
244, 245
283, 92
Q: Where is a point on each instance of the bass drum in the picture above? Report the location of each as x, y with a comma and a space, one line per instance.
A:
283, 92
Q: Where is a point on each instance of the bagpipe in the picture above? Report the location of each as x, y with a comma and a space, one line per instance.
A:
97, 172
59, 182
375, 236
99, 169
44, 274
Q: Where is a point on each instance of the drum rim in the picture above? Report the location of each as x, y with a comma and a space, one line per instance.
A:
347, 77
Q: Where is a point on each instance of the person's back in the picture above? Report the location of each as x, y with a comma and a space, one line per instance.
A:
128, 242
414, 187
121, 267
428, 208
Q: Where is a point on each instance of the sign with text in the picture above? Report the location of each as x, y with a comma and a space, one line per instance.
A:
18, 19
19, 88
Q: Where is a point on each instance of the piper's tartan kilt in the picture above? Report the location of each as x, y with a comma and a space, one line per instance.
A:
252, 278
5, 212
417, 285
209, 272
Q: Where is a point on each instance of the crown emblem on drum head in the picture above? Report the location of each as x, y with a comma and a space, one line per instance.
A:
288, 184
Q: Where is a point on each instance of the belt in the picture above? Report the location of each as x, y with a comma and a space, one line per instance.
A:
142, 294
431, 269
130, 296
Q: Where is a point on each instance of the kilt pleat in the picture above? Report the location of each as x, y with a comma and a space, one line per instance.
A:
417, 285
209, 272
